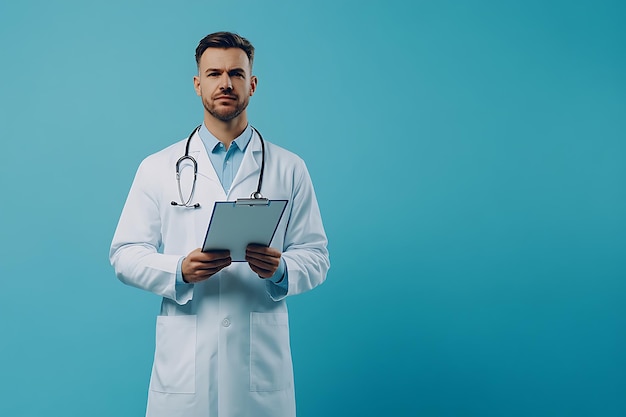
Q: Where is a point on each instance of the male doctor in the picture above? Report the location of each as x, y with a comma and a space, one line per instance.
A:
222, 336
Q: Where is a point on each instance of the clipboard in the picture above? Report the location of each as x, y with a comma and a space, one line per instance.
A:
236, 224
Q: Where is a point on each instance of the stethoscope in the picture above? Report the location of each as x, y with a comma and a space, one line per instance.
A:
187, 203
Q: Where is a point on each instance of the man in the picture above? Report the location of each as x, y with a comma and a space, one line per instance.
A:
222, 336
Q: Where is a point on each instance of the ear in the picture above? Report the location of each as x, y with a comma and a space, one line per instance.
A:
196, 84
253, 82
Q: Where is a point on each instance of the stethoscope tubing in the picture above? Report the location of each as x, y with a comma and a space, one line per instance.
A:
186, 157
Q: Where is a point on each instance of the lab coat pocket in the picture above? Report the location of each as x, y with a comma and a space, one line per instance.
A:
174, 369
270, 354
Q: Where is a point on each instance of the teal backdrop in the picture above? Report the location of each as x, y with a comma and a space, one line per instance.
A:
469, 159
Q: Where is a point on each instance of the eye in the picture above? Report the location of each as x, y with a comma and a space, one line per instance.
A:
213, 74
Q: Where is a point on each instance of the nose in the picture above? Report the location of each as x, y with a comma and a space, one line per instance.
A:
226, 83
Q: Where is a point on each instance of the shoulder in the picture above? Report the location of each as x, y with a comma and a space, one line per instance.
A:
164, 156
159, 166
283, 155
286, 165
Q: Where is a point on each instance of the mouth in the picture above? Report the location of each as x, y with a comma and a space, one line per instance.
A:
226, 98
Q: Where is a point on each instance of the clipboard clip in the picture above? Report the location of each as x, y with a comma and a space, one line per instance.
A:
252, 202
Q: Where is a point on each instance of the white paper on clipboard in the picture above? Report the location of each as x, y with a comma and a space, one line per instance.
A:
236, 224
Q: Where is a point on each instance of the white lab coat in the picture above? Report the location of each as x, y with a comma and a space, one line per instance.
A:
222, 346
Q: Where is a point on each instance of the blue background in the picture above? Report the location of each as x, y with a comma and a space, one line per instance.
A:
469, 159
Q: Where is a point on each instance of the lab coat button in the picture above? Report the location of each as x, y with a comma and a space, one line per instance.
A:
225, 322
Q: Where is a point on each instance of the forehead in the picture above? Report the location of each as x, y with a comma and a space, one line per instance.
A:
219, 58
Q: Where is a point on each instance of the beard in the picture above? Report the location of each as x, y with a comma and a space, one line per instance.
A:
224, 114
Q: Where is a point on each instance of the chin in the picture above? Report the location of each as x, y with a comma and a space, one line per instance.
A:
226, 116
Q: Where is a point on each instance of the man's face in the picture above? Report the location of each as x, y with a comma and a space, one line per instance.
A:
224, 82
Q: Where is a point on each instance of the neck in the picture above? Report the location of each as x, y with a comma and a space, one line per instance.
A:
226, 132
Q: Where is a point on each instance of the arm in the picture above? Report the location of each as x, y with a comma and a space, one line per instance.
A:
134, 251
305, 250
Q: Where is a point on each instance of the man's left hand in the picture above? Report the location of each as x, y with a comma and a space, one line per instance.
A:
263, 260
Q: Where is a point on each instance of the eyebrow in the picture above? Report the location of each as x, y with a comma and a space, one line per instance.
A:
237, 69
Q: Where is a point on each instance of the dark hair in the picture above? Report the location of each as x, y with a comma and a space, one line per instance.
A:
225, 40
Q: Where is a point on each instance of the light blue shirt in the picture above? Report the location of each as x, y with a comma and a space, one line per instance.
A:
226, 164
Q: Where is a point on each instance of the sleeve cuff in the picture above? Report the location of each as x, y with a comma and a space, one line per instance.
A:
179, 273
280, 277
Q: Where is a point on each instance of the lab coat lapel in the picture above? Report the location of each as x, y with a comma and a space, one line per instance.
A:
208, 187
251, 163
205, 167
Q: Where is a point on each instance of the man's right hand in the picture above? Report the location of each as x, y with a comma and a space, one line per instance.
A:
199, 266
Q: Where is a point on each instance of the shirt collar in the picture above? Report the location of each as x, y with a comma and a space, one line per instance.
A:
212, 144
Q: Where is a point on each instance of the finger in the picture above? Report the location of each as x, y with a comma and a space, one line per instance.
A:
261, 261
212, 266
204, 272
263, 269
206, 264
265, 250
264, 253
258, 255
210, 260
262, 272
198, 266
198, 256
255, 246
213, 255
